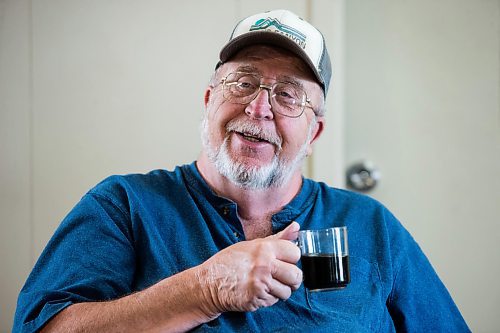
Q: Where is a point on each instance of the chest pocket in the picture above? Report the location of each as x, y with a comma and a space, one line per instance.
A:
361, 301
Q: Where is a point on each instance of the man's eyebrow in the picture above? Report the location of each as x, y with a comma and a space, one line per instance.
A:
248, 69
290, 79
280, 78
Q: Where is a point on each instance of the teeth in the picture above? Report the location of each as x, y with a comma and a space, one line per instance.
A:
251, 138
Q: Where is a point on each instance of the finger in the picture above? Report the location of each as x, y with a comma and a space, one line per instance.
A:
287, 251
264, 295
270, 300
287, 274
289, 233
260, 302
279, 290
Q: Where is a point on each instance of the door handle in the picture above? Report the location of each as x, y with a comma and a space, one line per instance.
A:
362, 176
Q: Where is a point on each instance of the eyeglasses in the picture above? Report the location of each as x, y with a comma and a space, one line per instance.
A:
287, 99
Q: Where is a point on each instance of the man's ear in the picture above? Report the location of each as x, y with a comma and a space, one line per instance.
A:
320, 123
316, 133
208, 93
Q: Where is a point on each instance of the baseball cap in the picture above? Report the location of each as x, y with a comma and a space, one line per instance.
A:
284, 29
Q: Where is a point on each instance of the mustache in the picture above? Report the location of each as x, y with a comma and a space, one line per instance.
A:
247, 128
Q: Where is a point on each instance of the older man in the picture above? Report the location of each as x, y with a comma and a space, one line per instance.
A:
207, 247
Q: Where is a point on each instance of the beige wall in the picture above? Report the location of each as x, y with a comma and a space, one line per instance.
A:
16, 242
423, 94
94, 88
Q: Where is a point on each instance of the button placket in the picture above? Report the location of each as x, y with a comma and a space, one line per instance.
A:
228, 215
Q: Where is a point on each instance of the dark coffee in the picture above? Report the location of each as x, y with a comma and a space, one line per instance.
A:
325, 271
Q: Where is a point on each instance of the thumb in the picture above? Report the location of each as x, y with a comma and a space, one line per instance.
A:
289, 233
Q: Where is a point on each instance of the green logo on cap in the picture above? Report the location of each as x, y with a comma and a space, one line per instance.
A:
292, 33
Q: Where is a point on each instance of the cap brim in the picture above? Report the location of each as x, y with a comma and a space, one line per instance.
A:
270, 38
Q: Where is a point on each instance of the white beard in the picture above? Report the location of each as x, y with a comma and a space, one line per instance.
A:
274, 174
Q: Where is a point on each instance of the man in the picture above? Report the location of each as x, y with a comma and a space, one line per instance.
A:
208, 246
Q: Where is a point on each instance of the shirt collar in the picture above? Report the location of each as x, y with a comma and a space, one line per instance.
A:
291, 212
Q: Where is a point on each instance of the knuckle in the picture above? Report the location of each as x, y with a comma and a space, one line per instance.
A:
264, 246
262, 271
259, 286
288, 293
297, 253
299, 275
273, 301
297, 279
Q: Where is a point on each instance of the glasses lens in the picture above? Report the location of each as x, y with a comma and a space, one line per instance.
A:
290, 99
286, 98
240, 87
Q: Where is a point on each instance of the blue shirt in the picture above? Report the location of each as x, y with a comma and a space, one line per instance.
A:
130, 232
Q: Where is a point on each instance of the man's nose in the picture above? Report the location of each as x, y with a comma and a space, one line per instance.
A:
260, 107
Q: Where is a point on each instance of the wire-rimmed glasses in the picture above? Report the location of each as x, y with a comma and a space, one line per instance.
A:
286, 98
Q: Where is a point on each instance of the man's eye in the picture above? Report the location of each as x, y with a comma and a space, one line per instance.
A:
284, 94
245, 85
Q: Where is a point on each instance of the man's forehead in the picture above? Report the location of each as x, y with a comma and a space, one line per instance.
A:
282, 77
251, 56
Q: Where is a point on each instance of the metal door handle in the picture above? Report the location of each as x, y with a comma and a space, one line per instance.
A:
362, 176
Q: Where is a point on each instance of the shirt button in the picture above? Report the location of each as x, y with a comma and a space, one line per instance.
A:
225, 211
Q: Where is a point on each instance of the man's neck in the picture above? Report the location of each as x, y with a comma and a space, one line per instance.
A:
255, 207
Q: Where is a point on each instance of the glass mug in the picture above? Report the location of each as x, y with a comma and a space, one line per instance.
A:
325, 258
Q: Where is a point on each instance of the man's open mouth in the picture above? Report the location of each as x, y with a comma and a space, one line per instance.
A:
251, 137
253, 133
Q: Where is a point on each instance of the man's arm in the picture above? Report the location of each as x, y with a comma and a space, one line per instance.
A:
243, 277
419, 301
174, 304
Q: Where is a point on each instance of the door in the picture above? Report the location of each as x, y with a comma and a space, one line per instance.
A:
422, 103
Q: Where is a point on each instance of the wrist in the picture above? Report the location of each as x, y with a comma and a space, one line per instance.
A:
175, 304
206, 291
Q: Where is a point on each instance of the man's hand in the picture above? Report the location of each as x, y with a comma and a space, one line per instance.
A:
252, 274
242, 277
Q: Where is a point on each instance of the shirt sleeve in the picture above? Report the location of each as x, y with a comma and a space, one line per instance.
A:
419, 301
90, 257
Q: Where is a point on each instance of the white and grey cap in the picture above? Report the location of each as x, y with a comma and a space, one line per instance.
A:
283, 29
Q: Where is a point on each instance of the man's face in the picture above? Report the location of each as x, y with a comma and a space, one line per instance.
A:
250, 144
